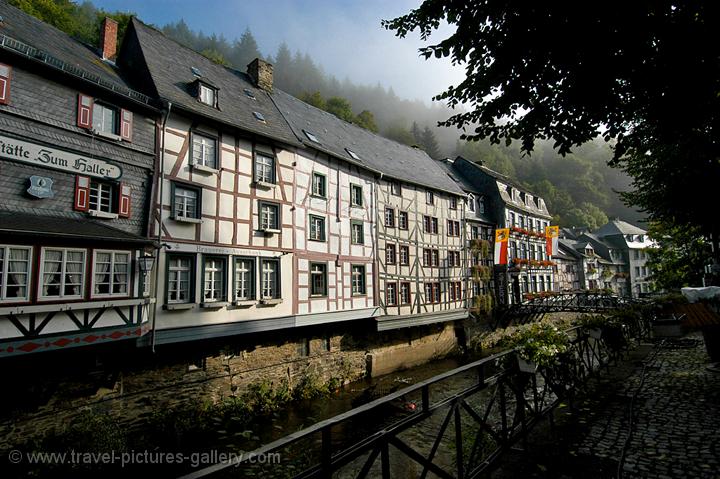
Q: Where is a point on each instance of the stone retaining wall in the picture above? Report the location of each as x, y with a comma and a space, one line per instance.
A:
131, 384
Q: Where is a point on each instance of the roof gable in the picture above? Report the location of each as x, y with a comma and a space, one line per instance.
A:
173, 70
28, 36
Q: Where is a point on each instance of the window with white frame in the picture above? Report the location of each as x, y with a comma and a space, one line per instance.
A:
395, 188
213, 279
471, 203
390, 217
62, 273
318, 279
404, 255
317, 228
111, 273
270, 279
244, 279
356, 195
358, 279
179, 282
391, 296
186, 202
269, 216
207, 95
106, 119
357, 232
264, 168
390, 254
15, 272
204, 150
319, 185
101, 196
405, 293
453, 203
429, 197
403, 220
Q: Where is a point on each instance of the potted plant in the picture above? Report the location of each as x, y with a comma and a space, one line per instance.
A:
594, 324
539, 345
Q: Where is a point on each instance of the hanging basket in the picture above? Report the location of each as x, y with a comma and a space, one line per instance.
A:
526, 366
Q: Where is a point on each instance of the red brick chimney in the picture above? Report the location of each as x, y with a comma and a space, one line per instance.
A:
261, 73
108, 38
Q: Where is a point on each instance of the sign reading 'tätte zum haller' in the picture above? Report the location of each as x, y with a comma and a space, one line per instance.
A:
41, 155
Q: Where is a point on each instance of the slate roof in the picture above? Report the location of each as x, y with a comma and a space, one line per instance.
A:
376, 153
170, 64
170, 67
24, 224
618, 227
467, 186
458, 177
41, 42
521, 205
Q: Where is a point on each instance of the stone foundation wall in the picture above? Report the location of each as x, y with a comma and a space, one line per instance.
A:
132, 384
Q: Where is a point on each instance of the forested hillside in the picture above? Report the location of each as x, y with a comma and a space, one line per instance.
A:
578, 188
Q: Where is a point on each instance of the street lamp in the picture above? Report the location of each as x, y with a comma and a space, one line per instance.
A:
146, 263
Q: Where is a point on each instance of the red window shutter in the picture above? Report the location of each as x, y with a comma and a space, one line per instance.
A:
85, 111
126, 124
82, 193
124, 200
5, 72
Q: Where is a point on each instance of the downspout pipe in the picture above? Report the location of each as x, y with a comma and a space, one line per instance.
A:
158, 243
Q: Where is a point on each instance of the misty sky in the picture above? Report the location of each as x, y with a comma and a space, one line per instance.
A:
343, 36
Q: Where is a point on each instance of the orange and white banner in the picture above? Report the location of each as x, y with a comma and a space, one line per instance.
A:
501, 245
551, 240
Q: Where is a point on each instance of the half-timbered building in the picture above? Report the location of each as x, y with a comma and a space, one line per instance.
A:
258, 232
479, 236
529, 269
77, 151
417, 223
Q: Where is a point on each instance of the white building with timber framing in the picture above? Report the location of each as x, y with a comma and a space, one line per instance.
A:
259, 232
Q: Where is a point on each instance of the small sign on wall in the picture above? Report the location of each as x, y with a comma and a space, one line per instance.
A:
41, 187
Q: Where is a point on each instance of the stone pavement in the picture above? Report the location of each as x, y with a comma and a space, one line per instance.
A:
675, 430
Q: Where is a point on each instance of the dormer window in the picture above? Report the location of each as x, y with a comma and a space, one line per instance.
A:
641, 238
471, 203
207, 95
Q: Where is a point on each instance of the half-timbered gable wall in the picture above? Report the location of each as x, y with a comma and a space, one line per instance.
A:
420, 254
315, 266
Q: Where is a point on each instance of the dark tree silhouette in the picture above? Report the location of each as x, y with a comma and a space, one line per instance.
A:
645, 74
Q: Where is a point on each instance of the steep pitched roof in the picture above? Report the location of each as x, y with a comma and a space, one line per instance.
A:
25, 35
376, 153
539, 208
618, 227
170, 67
458, 177
467, 186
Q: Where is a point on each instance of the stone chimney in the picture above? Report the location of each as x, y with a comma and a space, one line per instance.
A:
108, 38
261, 73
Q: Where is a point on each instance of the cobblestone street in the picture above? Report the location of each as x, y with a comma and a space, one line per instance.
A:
675, 431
